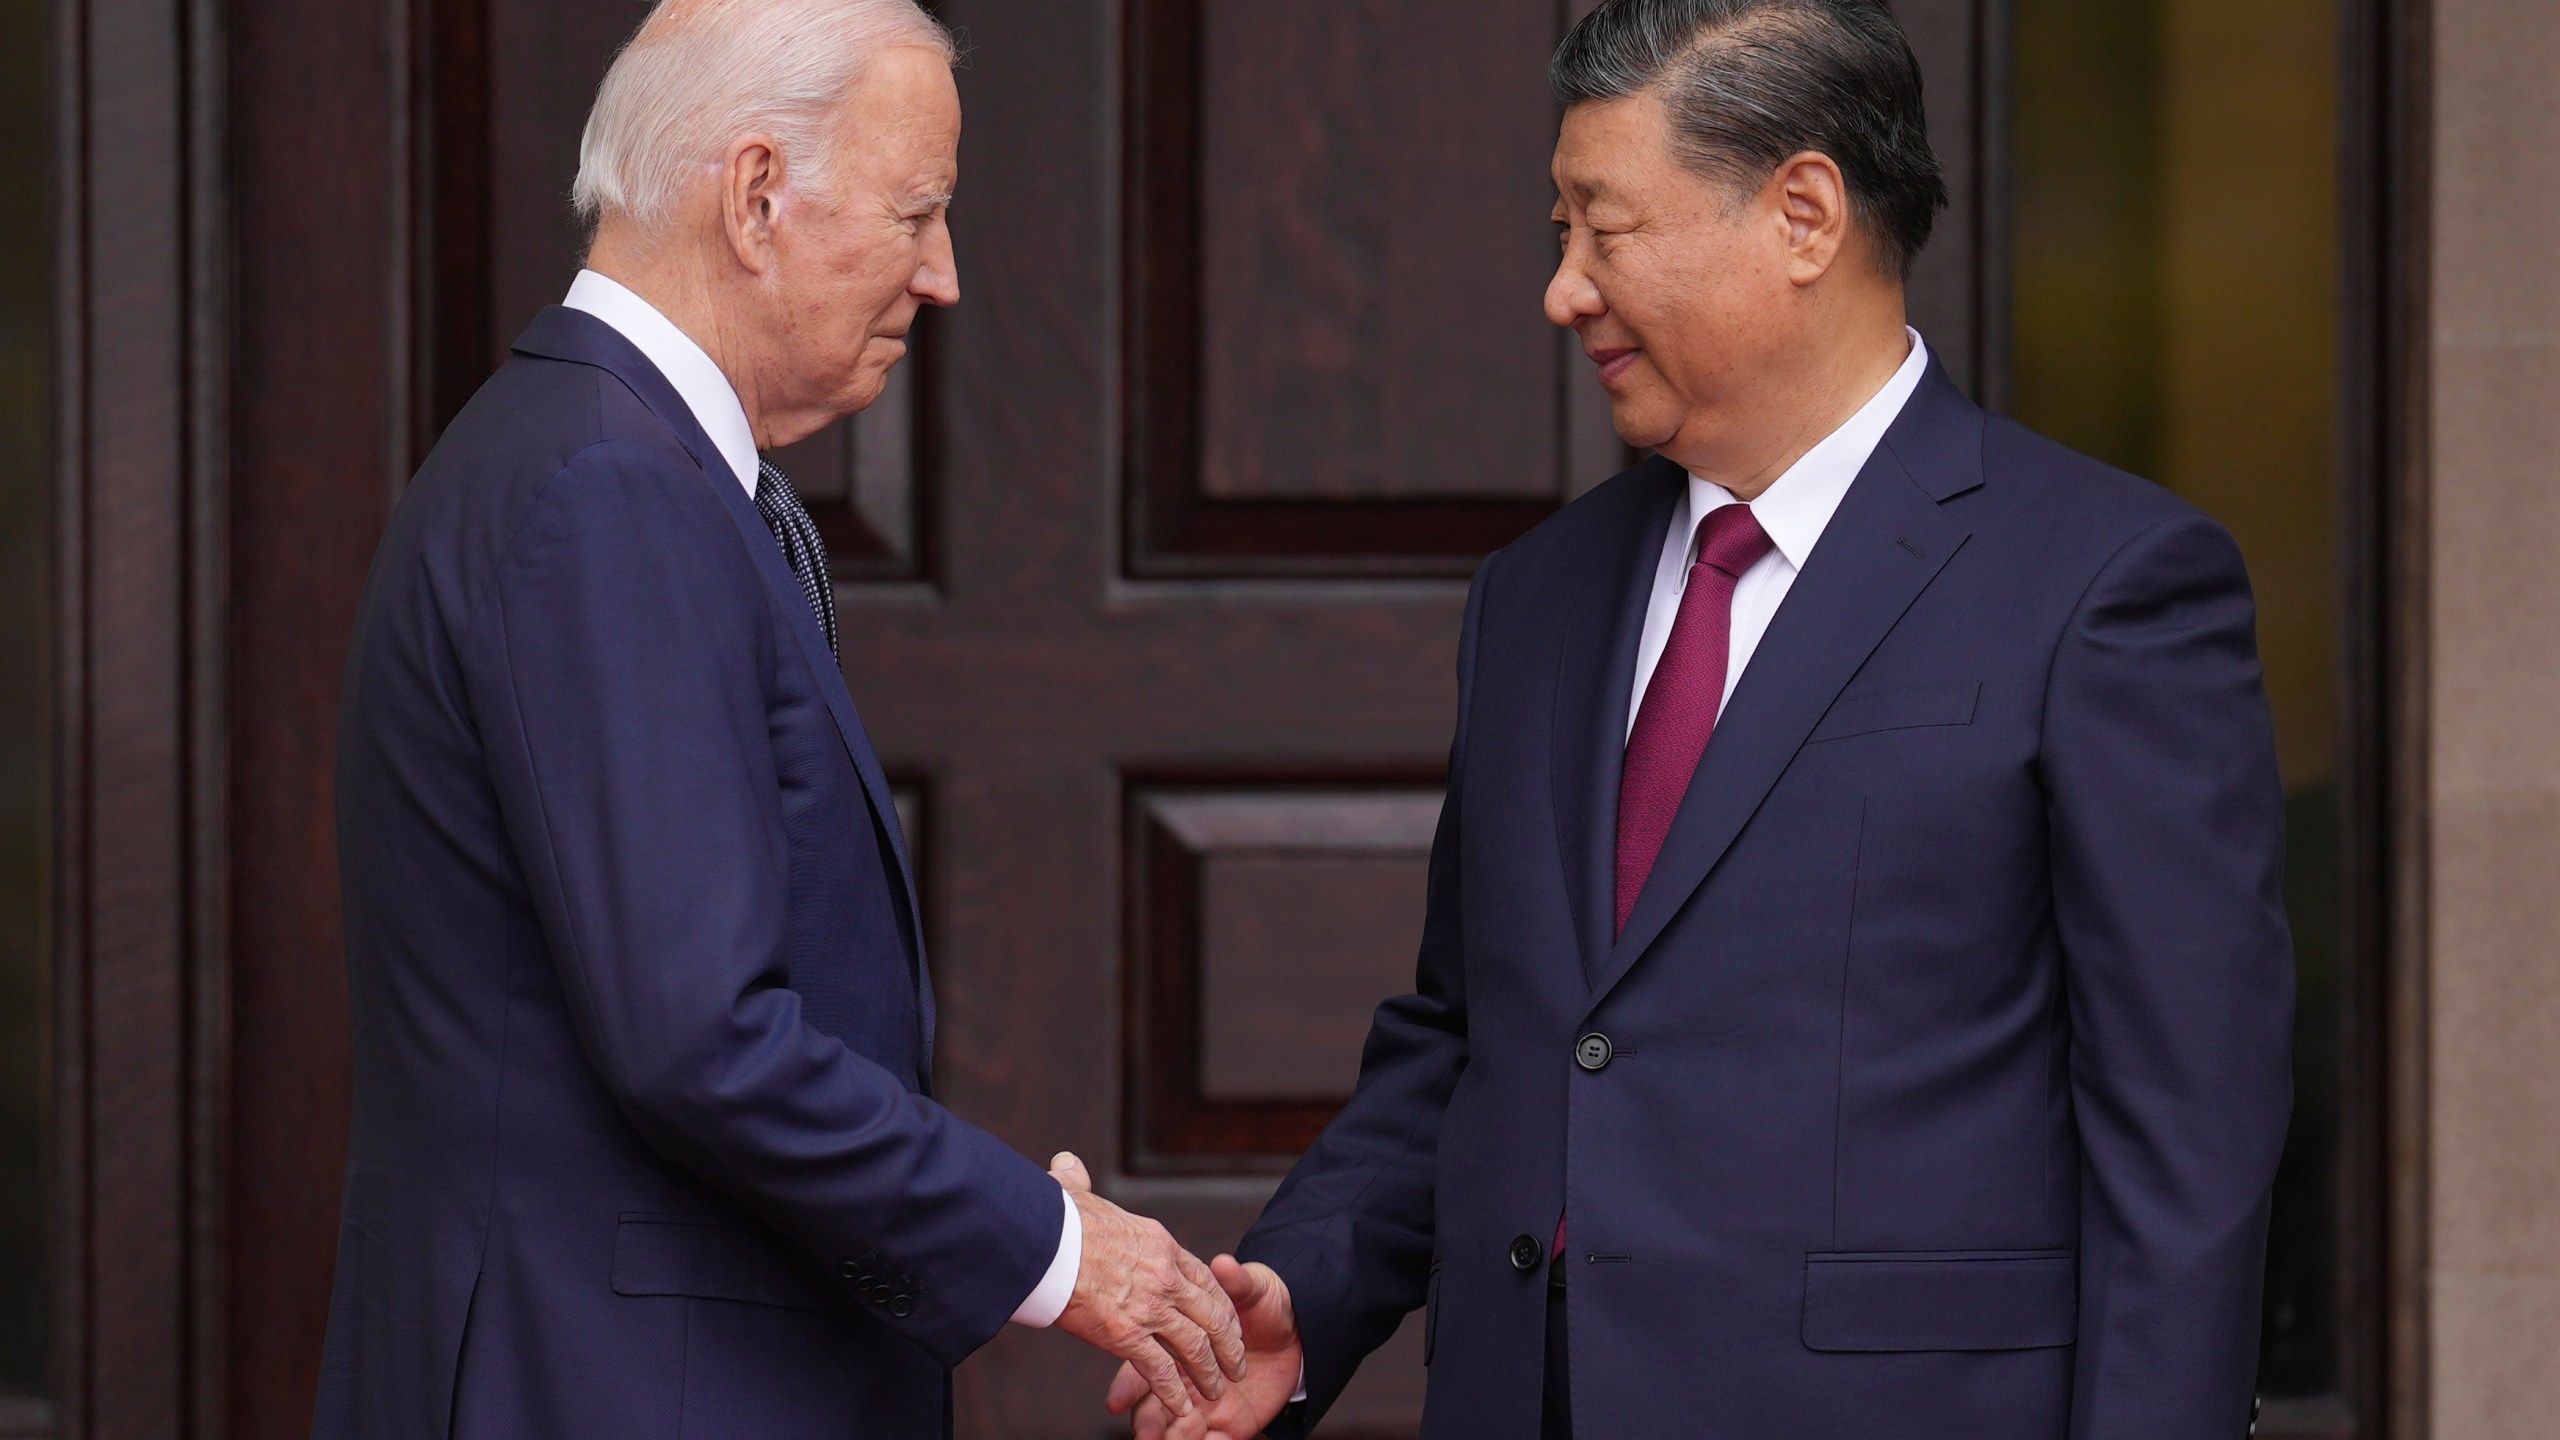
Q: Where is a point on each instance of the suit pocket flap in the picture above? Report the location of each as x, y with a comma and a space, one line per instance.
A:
1907, 709
1941, 1300
676, 1255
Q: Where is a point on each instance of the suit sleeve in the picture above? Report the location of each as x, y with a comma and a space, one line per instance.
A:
2167, 827
1350, 1230
619, 681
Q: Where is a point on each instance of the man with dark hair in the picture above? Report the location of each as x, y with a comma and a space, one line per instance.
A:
1855, 997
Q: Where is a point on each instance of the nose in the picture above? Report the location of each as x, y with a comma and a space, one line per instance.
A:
1571, 295
937, 277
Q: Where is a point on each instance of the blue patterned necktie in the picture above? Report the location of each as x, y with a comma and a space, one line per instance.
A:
801, 545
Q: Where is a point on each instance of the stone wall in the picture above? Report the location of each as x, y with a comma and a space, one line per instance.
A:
2494, 633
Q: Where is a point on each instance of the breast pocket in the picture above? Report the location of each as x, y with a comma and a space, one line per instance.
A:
1911, 708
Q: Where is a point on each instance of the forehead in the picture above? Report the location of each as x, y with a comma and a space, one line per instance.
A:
903, 119
905, 91
1615, 150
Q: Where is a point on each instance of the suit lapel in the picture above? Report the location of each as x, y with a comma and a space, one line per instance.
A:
1883, 547
1595, 671
803, 622
563, 334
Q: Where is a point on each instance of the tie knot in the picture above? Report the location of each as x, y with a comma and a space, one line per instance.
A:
1731, 540
771, 486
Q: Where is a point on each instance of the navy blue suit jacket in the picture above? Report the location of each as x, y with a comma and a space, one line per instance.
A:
643, 1035
1951, 1032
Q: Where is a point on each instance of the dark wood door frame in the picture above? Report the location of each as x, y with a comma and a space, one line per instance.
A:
139, 918
236, 261
267, 293
2386, 139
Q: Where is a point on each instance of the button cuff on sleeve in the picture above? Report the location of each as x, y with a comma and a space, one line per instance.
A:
1048, 1300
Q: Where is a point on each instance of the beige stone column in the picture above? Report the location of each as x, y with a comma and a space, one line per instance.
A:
2494, 632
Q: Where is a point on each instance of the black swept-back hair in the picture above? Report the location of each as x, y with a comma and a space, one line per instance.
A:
1751, 82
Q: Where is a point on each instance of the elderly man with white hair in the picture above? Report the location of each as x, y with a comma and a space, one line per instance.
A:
644, 1141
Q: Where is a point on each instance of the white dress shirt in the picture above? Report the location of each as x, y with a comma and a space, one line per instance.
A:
1794, 511
697, 378
706, 392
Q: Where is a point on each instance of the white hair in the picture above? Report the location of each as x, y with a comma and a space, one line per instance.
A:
700, 73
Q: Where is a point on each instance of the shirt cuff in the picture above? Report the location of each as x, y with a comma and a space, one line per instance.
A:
1299, 1395
1049, 1299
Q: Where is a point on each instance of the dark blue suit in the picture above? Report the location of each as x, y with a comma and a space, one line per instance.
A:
1948, 1059
643, 1035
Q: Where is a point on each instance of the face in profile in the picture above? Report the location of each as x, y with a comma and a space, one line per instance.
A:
1676, 283
855, 265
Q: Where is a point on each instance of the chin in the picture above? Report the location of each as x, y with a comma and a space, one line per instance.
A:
864, 392
1644, 426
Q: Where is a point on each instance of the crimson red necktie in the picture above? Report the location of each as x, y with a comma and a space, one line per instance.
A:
1680, 704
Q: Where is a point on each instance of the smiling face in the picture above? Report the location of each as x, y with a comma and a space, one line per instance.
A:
851, 269
1686, 294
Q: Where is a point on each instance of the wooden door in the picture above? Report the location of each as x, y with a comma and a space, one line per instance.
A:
1151, 565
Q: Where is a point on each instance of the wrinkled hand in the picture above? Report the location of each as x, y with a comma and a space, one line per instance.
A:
1271, 1351
1149, 1301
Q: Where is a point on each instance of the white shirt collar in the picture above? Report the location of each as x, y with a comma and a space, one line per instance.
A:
1798, 507
696, 377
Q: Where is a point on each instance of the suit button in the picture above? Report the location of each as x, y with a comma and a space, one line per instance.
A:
851, 1271
903, 1306
1594, 1052
1527, 1254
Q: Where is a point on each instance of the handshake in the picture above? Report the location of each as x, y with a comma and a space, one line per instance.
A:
1209, 1352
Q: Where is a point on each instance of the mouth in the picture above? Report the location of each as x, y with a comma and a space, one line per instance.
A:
1615, 362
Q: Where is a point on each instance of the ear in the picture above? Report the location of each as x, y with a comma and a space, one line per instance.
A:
1813, 199
751, 196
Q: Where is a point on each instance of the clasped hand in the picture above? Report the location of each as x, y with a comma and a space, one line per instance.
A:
1147, 1300
1275, 1362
